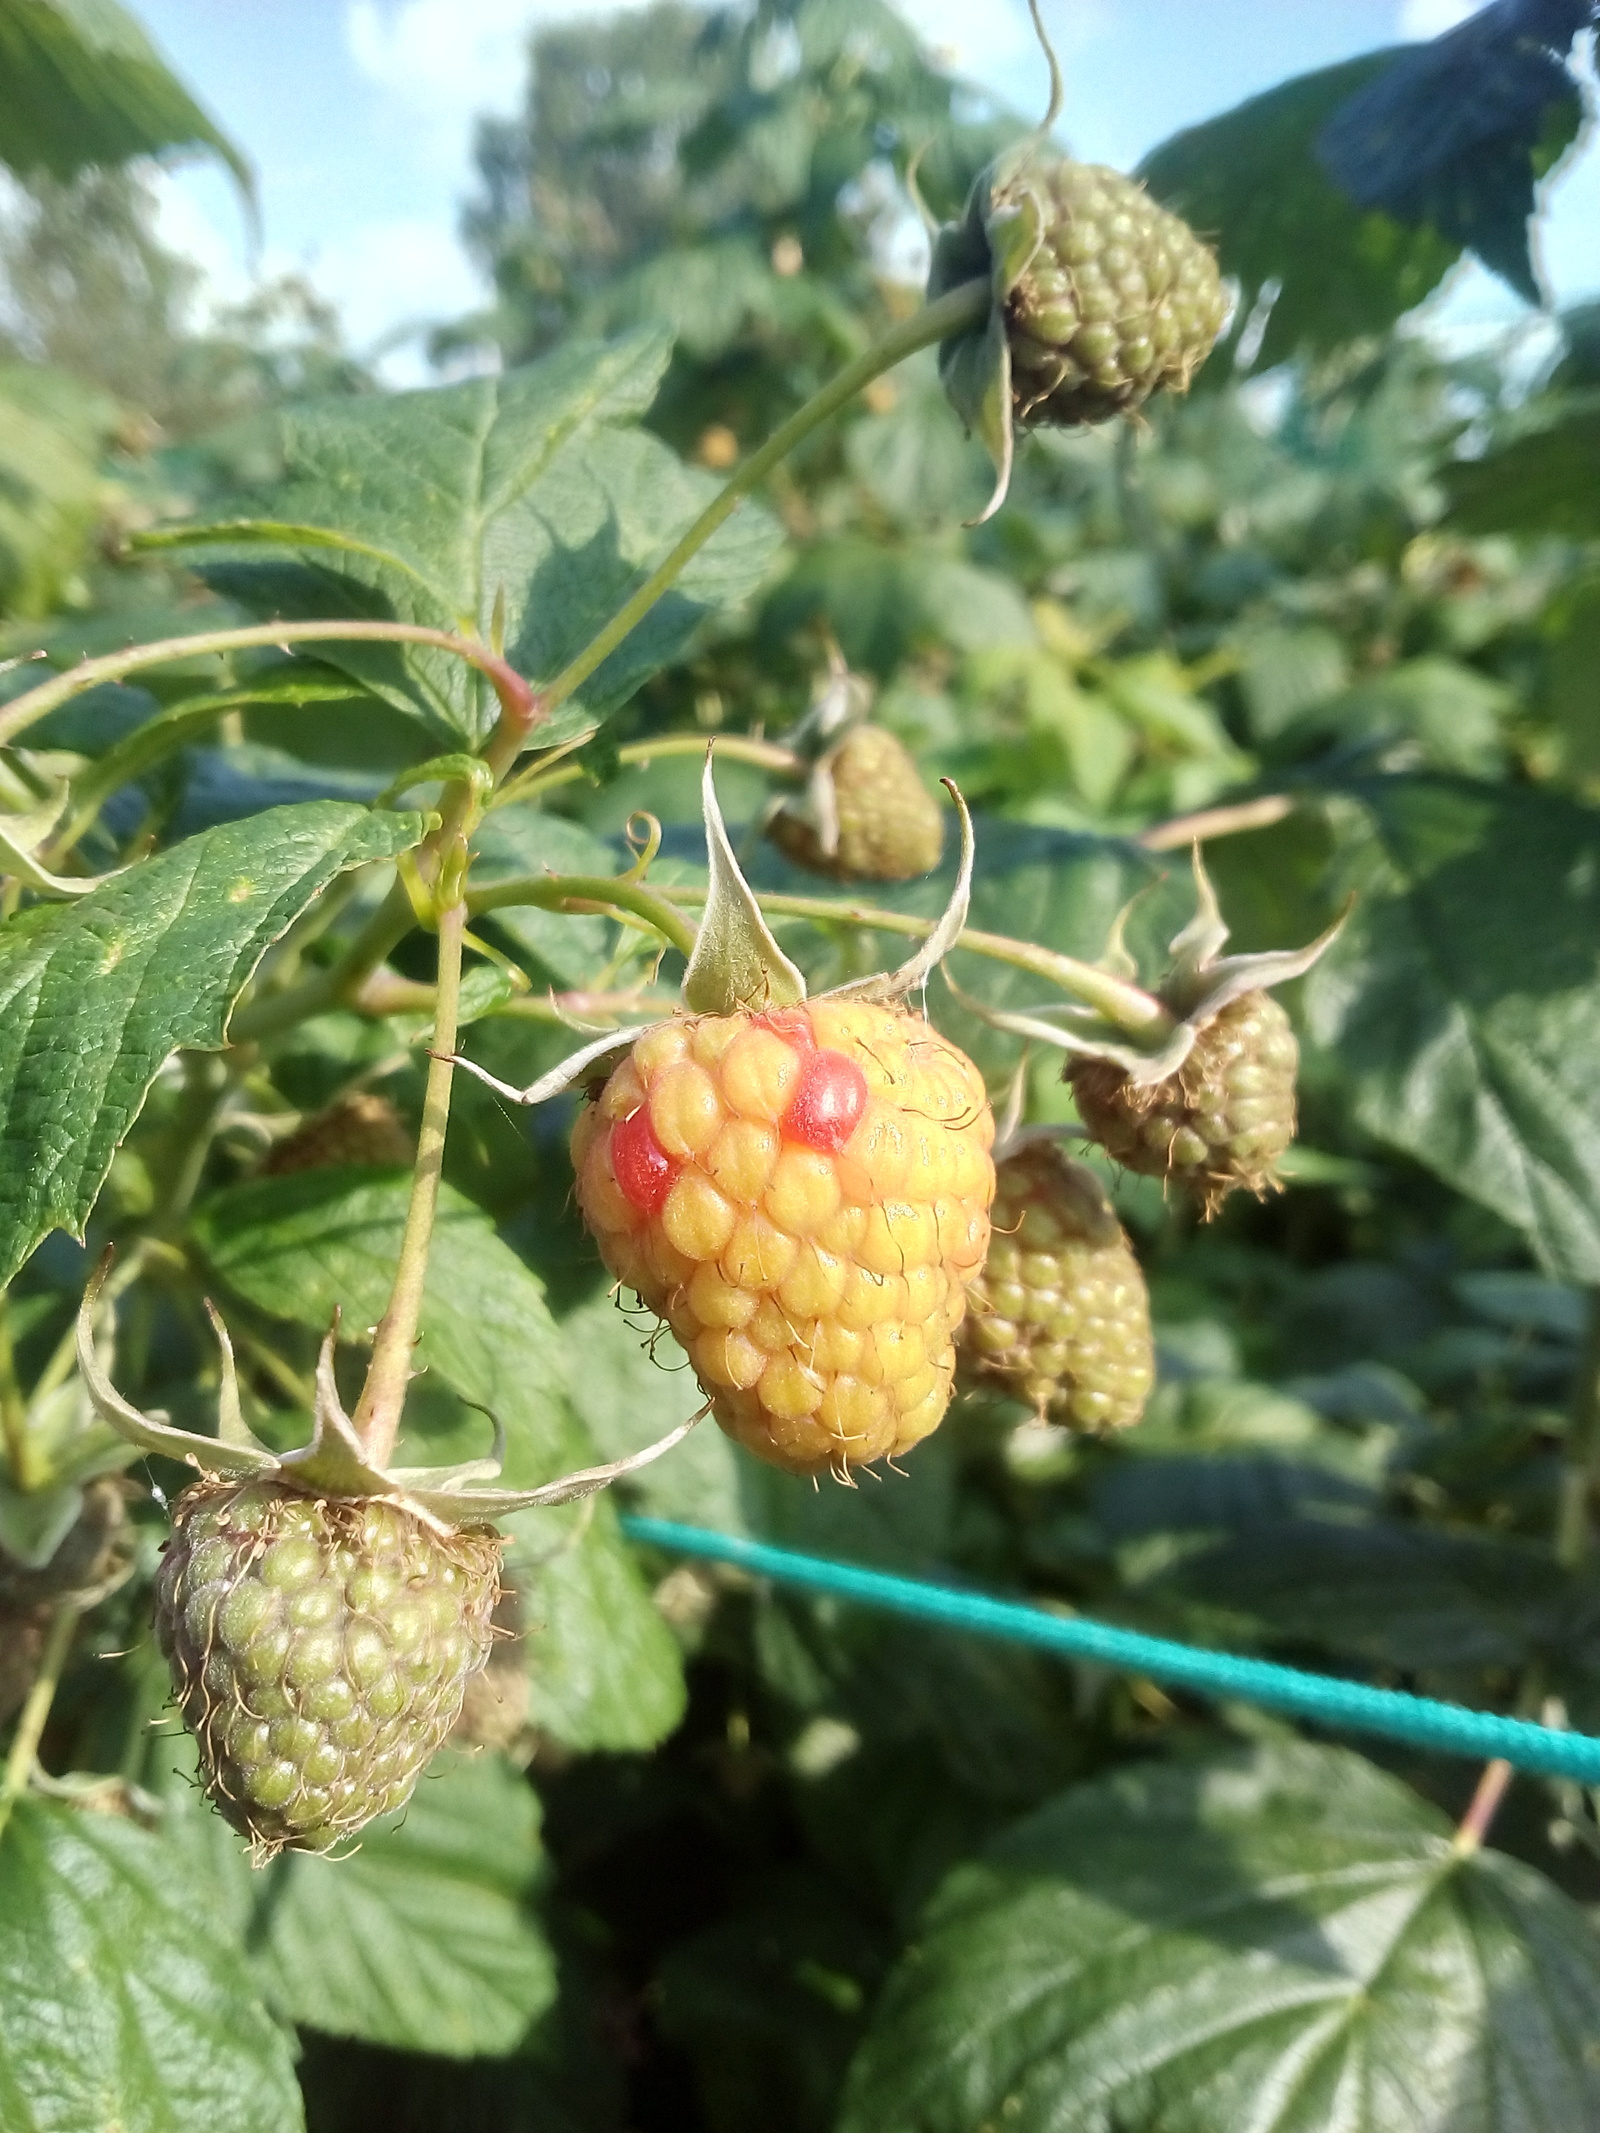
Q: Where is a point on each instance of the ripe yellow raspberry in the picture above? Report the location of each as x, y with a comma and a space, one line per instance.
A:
804, 1196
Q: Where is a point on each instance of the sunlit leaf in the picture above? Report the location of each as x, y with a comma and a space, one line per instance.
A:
95, 994
127, 2004
1282, 1938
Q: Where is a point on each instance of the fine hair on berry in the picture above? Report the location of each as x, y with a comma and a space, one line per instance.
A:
804, 1196
320, 1647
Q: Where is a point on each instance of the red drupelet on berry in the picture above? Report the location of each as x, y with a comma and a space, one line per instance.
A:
803, 1195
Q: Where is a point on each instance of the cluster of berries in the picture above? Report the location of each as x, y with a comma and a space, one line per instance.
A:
801, 1190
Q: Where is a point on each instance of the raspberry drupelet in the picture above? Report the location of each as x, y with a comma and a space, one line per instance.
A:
803, 1195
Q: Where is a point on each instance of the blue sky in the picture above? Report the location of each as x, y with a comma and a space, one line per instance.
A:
358, 116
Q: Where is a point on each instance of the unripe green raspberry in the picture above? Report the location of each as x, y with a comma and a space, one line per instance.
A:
1224, 1119
320, 1647
93, 1550
1059, 1315
888, 823
359, 1127
1120, 300
93, 1556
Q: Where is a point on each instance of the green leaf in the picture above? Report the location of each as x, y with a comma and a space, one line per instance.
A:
767, 2003
84, 85
303, 1246
1285, 1938
1399, 1596
604, 1669
634, 1385
423, 1938
94, 995
605, 1674
1574, 662
1463, 1000
1456, 132
433, 507
913, 458
1250, 182
884, 604
523, 839
52, 431
126, 2006
1542, 482
1447, 711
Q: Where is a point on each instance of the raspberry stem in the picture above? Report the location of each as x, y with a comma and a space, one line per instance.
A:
731, 748
1582, 1452
30, 1726
377, 1414
565, 892
1127, 1005
958, 308
1491, 1790
519, 707
13, 1413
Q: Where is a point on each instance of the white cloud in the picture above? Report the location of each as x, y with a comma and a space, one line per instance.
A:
444, 57
449, 60
1430, 18
386, 276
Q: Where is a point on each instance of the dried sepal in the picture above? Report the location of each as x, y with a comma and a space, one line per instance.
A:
736, 963
154, 1433
917, 969
334, 1463
764, 983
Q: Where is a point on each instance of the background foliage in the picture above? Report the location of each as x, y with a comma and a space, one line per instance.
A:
738, 1858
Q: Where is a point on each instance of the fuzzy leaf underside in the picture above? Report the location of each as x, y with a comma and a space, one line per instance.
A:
95, 994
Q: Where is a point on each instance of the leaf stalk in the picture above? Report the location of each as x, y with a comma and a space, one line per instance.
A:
36, 1710
949, 314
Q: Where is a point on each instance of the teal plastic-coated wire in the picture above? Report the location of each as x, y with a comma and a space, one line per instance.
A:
1351, 1705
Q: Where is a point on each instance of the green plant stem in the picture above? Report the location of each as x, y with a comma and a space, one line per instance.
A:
731, 748
13, 1410
377, 1415
1582, 1453
1127, 1005
385, 994
935, 322
568, 892
188, 1139
334, 986
518, 706
1485, 1804
30, 1726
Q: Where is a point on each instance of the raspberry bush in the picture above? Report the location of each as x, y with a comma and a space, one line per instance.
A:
418, 1109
